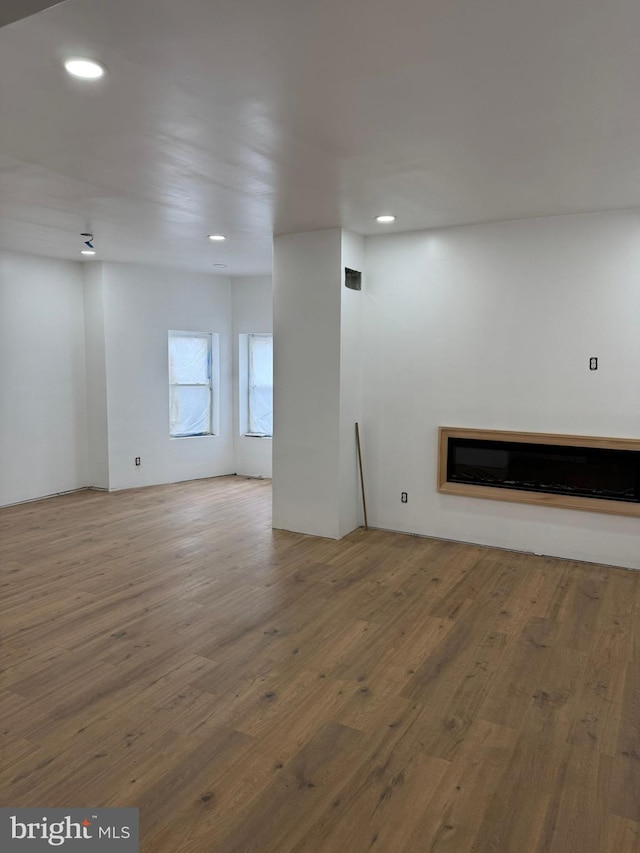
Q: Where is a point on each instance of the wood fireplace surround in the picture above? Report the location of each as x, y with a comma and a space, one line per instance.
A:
569, 471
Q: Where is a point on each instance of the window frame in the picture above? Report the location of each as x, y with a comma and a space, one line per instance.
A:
244, 368
213, 353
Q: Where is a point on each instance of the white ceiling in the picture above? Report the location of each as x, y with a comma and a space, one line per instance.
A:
14, 10
249, 117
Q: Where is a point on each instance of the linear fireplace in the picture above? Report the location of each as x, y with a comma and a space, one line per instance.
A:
575, 472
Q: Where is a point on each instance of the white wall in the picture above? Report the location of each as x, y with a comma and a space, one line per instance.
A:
43, 427
351, 311
141, 305
317, 376
96, 376
306, 392
252, 312
83, 362
493, 326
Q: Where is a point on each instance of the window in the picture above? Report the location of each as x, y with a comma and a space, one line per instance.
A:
191, 385
256, 385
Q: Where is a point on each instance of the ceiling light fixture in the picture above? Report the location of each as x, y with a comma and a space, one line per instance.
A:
221, 265
216, 237
87, 252
384, 218
85, 69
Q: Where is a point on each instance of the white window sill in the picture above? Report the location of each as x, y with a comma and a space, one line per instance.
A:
200, 435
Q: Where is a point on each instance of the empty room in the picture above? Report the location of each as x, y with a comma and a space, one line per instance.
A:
320, 434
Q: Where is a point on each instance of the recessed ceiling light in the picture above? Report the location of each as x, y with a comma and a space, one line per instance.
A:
87, 252
86, 69
385, 217
217, 237
221, 265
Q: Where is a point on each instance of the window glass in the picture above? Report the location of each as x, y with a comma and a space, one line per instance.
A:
190, 385
261, 384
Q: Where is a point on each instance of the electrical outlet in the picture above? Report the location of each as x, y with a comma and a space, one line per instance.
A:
593, 363
404, 498
137, 460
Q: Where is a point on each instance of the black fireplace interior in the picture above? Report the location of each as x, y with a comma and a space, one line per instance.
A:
592, 472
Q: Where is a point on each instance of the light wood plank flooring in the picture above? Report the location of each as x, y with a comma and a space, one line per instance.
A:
264, 691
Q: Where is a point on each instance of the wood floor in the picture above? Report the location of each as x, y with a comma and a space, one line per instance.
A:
264, 691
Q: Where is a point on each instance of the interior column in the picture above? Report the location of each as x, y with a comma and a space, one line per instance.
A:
316, 383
